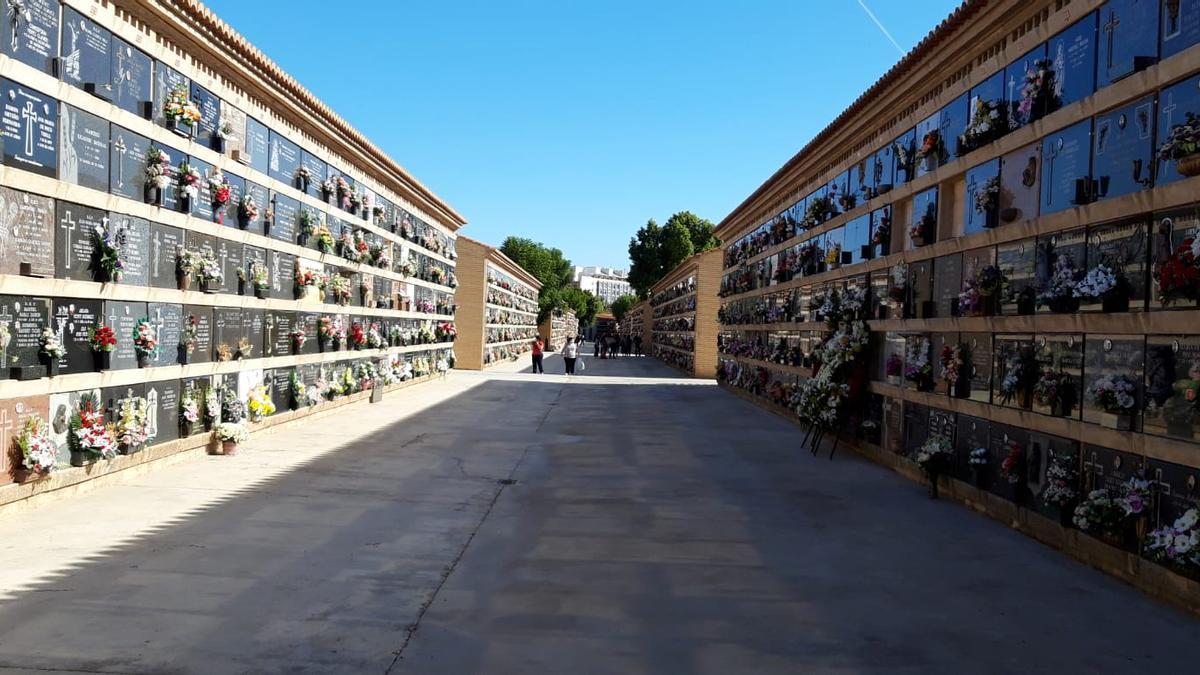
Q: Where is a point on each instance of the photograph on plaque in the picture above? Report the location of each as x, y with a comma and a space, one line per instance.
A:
1113, 377
1060, 266
122, 318
1123, 150
127, 163
1072, 54
27, 233
1009, 456
1128, 39
1066, 181
29, 33
86, 54
163, 420
1117, 262
132, 83
1019, 185
136, 233
1177, 489
1016, 371
75, 241
1175, 103
83, 156
982, 206
254, 146
165, 242
1058, 390
1172, 386
167, 320
25, 318
1028, 84
73, 319
30, 129
197, 333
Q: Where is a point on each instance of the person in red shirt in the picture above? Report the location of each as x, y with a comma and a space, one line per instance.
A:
537, 355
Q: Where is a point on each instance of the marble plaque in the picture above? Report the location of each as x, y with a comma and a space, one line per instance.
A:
1119, 357
75, 240
308, 320
278, 326
947, 280
904, 145
168, 322
171, 200
137, 248
1180, 26
166, 79
979, 346
13, 413
1128, 39
1123, 150
203, 243
317, 170
1178, 488
227, 331
262, 198
284, 158
27, 227
1061, 354
164, 244
84, 154
235, 119
973, 433
229, 255
73, 320
86, 54
210, 113
163, 399
127, 163
132, 72
287, 213
1020, 111
254, 146
1065, 169
1073, 55
282, 268
254, 330
122, 318
30, 125
31, 37
201, 317
1122, 247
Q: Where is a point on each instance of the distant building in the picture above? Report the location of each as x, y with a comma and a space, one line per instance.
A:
606, 283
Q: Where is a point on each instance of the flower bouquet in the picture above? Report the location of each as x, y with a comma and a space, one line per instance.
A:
1178, 277
50, 350
1037, 92
299, 337
230, 434
881, 236
218, 187
302, 176
133, 424
331, 331
259, 403
103, 342
189, 337
987, 124
932, 150
1058, 292
189, 186
1061, 480
209, 273
189, 411
187, 263
817, 212
298, 389
145, 341
260, 278
158, 174
1020, 374
955, 365
981, 292
1055, 390
181, 113
247, 211
39, 455
1117, 516
1182, 146
935, 457
1108, 284
88, 437
339, 287
324, 238
109, 242
1177, 546
1115, 395
917, 368
987, 201
1012, 467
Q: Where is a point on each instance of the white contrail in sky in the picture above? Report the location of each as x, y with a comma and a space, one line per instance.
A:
880, 25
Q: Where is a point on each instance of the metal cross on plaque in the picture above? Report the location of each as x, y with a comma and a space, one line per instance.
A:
1110, 27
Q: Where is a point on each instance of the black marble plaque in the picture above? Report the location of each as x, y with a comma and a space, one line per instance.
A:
1172, 386
171, 199
25, 317
113, 397
1073, 55
250, 256
287, 212
210, 112
201, 317
1117, 356
73, 320
277, 330
132, 72
1170, 230
163, 399
254, 145
1105, 468
981, 211
1044, 451
973, 433
262, 198
1128, 39
916, 427
137, 248
253, 330
1180, 26
1061, 354
226, 331
205, 244
122, 318
980, 368
947, 283
284, 158
931, 125
237, 188
229, 255
1005, 441
84, 154
30, 126
27, 224
75, 240
202, 206
1065, 176
1178, 488
1123, 247
308, 320
281, 388
317, 171
168, 322
127, 163
166, 79
282, 268
31, 37
86, 54
164, 244
1123, 152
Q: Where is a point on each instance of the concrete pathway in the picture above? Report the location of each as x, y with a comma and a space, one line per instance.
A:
623, 521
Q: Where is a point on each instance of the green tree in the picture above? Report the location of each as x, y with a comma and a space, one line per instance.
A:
622, 305
645, 264
556, 274
654, 251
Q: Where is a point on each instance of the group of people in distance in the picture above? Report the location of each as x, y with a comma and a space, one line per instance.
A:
608, 346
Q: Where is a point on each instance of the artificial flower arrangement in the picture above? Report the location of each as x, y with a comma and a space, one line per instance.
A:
189, 181
1107, 283
225, 130
339, 286
894, 366
935, 455
133, 423
817, 212
247, 210
244, 347
358, 336
882, 236
231, 432
847, 200
306, 277
978, 458
302, 176
179, 108
212, 406
988, 122
381, 257
1114, 394
187, 264
39, 455
299, 337
347, 247
189, 335
819, 400
342, 188
377, 212
1020, 374
209, 272
981, 292
189, 409
109, 241
260, 277
375, 337
446, 332
898, 288
158, 168
233, 408
331, 330
1036, 90
1177, 545
1178, 277
50, 346
324, 237
904, 157
1058, 293
1055, 390
101, 338
298, 389
219, 187
88, 434
259, 403
328, 187
954, 364
1182, 145
1061, 477
917, 368
1105, 512
354, 199
833, 257
921, 230
987, 199
1012, 467
145, 340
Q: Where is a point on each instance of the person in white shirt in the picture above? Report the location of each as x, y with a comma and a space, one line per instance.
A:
570, 352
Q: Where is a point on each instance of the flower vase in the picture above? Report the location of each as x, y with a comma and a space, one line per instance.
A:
266, 227
243, 220
1064, 305
154, 195
186, 428
185, 203
229, 448
79, 458
962, 388
143, 359
929, 163
102, 361
1026, 305
261, 293
176, 127
183, 280
208, 286
1188, 166
325, 195
987, 305
302, 184
52, 365
933, 484
128, 449
980, 478
218, 145
1010, 214
1118, 421
1116, 301
991, 219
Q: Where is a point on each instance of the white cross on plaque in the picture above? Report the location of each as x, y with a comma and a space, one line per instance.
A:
67, 225
120, 147
31, 117
1111, 28
1169, 108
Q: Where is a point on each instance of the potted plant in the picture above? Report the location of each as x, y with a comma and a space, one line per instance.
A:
145, 341
1116, 396
103, 342
230, 435
50, 350
1182, 146
935, 457
158, 175
180, 112
88, 436
39, 455
109, 250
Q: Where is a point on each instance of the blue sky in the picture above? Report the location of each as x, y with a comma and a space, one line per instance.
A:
574, 122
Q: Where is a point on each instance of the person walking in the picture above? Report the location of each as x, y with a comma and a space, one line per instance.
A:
570, 352
538, 346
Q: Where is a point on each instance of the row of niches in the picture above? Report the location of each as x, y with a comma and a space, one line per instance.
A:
1146, 262
510, 333
53, 238
1143, 143
515, 302
44, 433
682, 341
673, 356
509, 283
504, 317
678, 290
676, 324
62, 336
676, 307
509, 352
1135, 503
89, 151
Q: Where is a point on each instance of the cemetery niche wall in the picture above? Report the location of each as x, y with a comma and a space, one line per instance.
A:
180, 263
1031, 275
